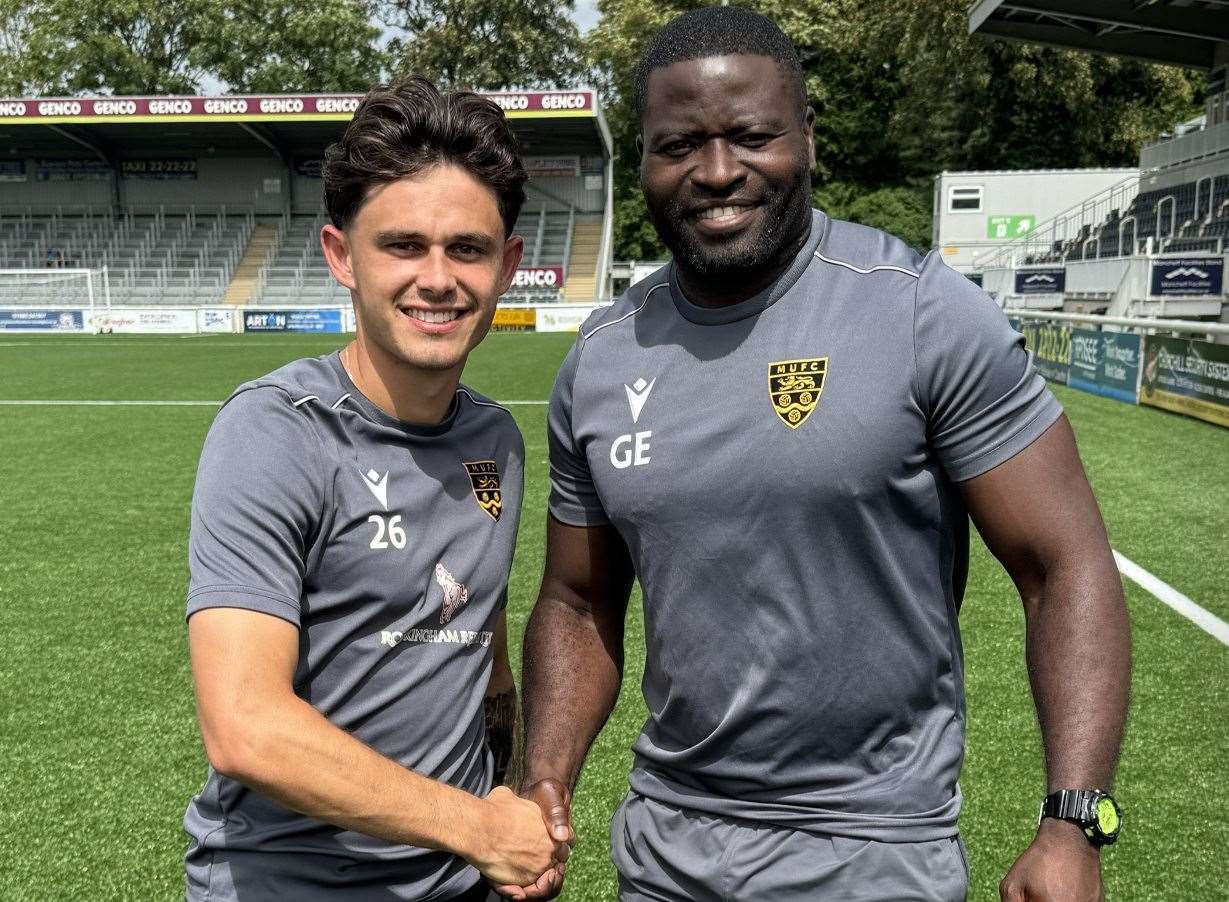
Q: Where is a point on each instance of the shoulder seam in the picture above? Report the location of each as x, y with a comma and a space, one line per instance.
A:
878, 267
475, 401
615, 322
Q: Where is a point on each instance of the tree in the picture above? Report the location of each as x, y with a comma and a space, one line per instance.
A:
170, 46
114, 46
292, 46
901, 91
484, 44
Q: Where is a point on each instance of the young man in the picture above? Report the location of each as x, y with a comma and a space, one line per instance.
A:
352, 533
782, 435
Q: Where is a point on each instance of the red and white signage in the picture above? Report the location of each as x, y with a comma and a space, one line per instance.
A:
540, 277
305, 106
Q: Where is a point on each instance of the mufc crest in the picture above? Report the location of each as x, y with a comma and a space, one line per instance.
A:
794, 387
484, 477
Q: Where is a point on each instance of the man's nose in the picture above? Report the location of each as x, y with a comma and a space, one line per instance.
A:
719, 168
435, 278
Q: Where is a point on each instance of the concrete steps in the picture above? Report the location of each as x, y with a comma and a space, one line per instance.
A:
247, 273
581, 284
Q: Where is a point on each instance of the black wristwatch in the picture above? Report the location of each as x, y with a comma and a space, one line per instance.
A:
1094, 811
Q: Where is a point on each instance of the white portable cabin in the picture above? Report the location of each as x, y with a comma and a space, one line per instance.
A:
977, 213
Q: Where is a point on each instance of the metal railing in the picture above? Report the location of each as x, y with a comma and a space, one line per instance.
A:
1064, 229
1153, 325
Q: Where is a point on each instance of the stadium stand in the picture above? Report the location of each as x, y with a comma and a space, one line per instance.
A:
205, 201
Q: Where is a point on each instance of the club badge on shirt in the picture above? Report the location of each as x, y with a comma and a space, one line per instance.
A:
794, 387
484, 477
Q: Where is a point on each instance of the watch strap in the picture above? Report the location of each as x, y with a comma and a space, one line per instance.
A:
1077, 805
1080, 807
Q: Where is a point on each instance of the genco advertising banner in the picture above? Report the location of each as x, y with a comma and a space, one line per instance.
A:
1041, 281
292, 321
1187, 277
545, 277
1105, 363
1051, 347
1187, 376
42, 320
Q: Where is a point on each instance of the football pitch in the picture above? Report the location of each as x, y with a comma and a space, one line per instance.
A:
100, 746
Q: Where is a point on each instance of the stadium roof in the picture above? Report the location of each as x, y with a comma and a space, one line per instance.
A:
1172, 32
556, 122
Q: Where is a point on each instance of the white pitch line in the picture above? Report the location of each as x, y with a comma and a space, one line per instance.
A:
1167, 594
58, 403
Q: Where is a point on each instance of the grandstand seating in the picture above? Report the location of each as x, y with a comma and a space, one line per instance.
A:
1193, 216
195, 255
152, 257
296, 273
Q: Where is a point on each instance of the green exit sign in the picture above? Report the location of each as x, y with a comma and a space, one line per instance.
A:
1009, 226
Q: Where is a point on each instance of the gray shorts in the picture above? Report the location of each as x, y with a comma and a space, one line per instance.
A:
666, 854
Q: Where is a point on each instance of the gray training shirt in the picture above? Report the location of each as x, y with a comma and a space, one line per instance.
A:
389, 547
784, 474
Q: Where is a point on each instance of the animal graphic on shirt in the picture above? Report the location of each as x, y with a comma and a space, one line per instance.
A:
455, 592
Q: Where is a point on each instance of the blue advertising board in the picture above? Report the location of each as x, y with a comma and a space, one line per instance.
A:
42, 320
1105, 363
1187, 276
292, 321
1052, 280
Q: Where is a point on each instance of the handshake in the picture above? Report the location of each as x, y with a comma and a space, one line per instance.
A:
525, 840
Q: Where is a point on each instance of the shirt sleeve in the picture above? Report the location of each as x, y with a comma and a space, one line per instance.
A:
573, 497
258, 500
982, 397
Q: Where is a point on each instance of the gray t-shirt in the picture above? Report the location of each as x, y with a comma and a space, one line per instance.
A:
389, 547
784, 474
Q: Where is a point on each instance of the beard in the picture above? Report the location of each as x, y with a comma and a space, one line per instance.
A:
785, 211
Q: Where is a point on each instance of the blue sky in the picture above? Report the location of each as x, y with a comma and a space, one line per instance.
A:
586, 14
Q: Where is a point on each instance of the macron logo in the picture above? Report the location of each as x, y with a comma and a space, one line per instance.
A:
378, 485
1040, 277
1186, 271
637, 394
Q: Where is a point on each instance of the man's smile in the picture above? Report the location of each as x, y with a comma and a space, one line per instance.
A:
719, 219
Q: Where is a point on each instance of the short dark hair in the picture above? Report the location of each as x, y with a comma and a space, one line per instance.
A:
718, 31
402, 129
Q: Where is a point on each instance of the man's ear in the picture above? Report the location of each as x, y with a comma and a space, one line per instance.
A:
640, 145
337, 254
514, 248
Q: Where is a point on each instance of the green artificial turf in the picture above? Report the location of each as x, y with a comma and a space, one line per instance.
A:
100, 748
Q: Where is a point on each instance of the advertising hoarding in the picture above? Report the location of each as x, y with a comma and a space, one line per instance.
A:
561, 317
292, 320
1187, 376
1105, 363
169, 320
1187, 277
216, 319
1051, 347
545, 277
31, 320
1052, 280
514, 319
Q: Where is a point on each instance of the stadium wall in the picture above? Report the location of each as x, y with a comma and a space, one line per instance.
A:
256, 182
262, 183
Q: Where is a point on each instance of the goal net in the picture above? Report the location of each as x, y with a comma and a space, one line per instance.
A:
86, 288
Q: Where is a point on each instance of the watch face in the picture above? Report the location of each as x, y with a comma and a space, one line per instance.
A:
1108, 820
